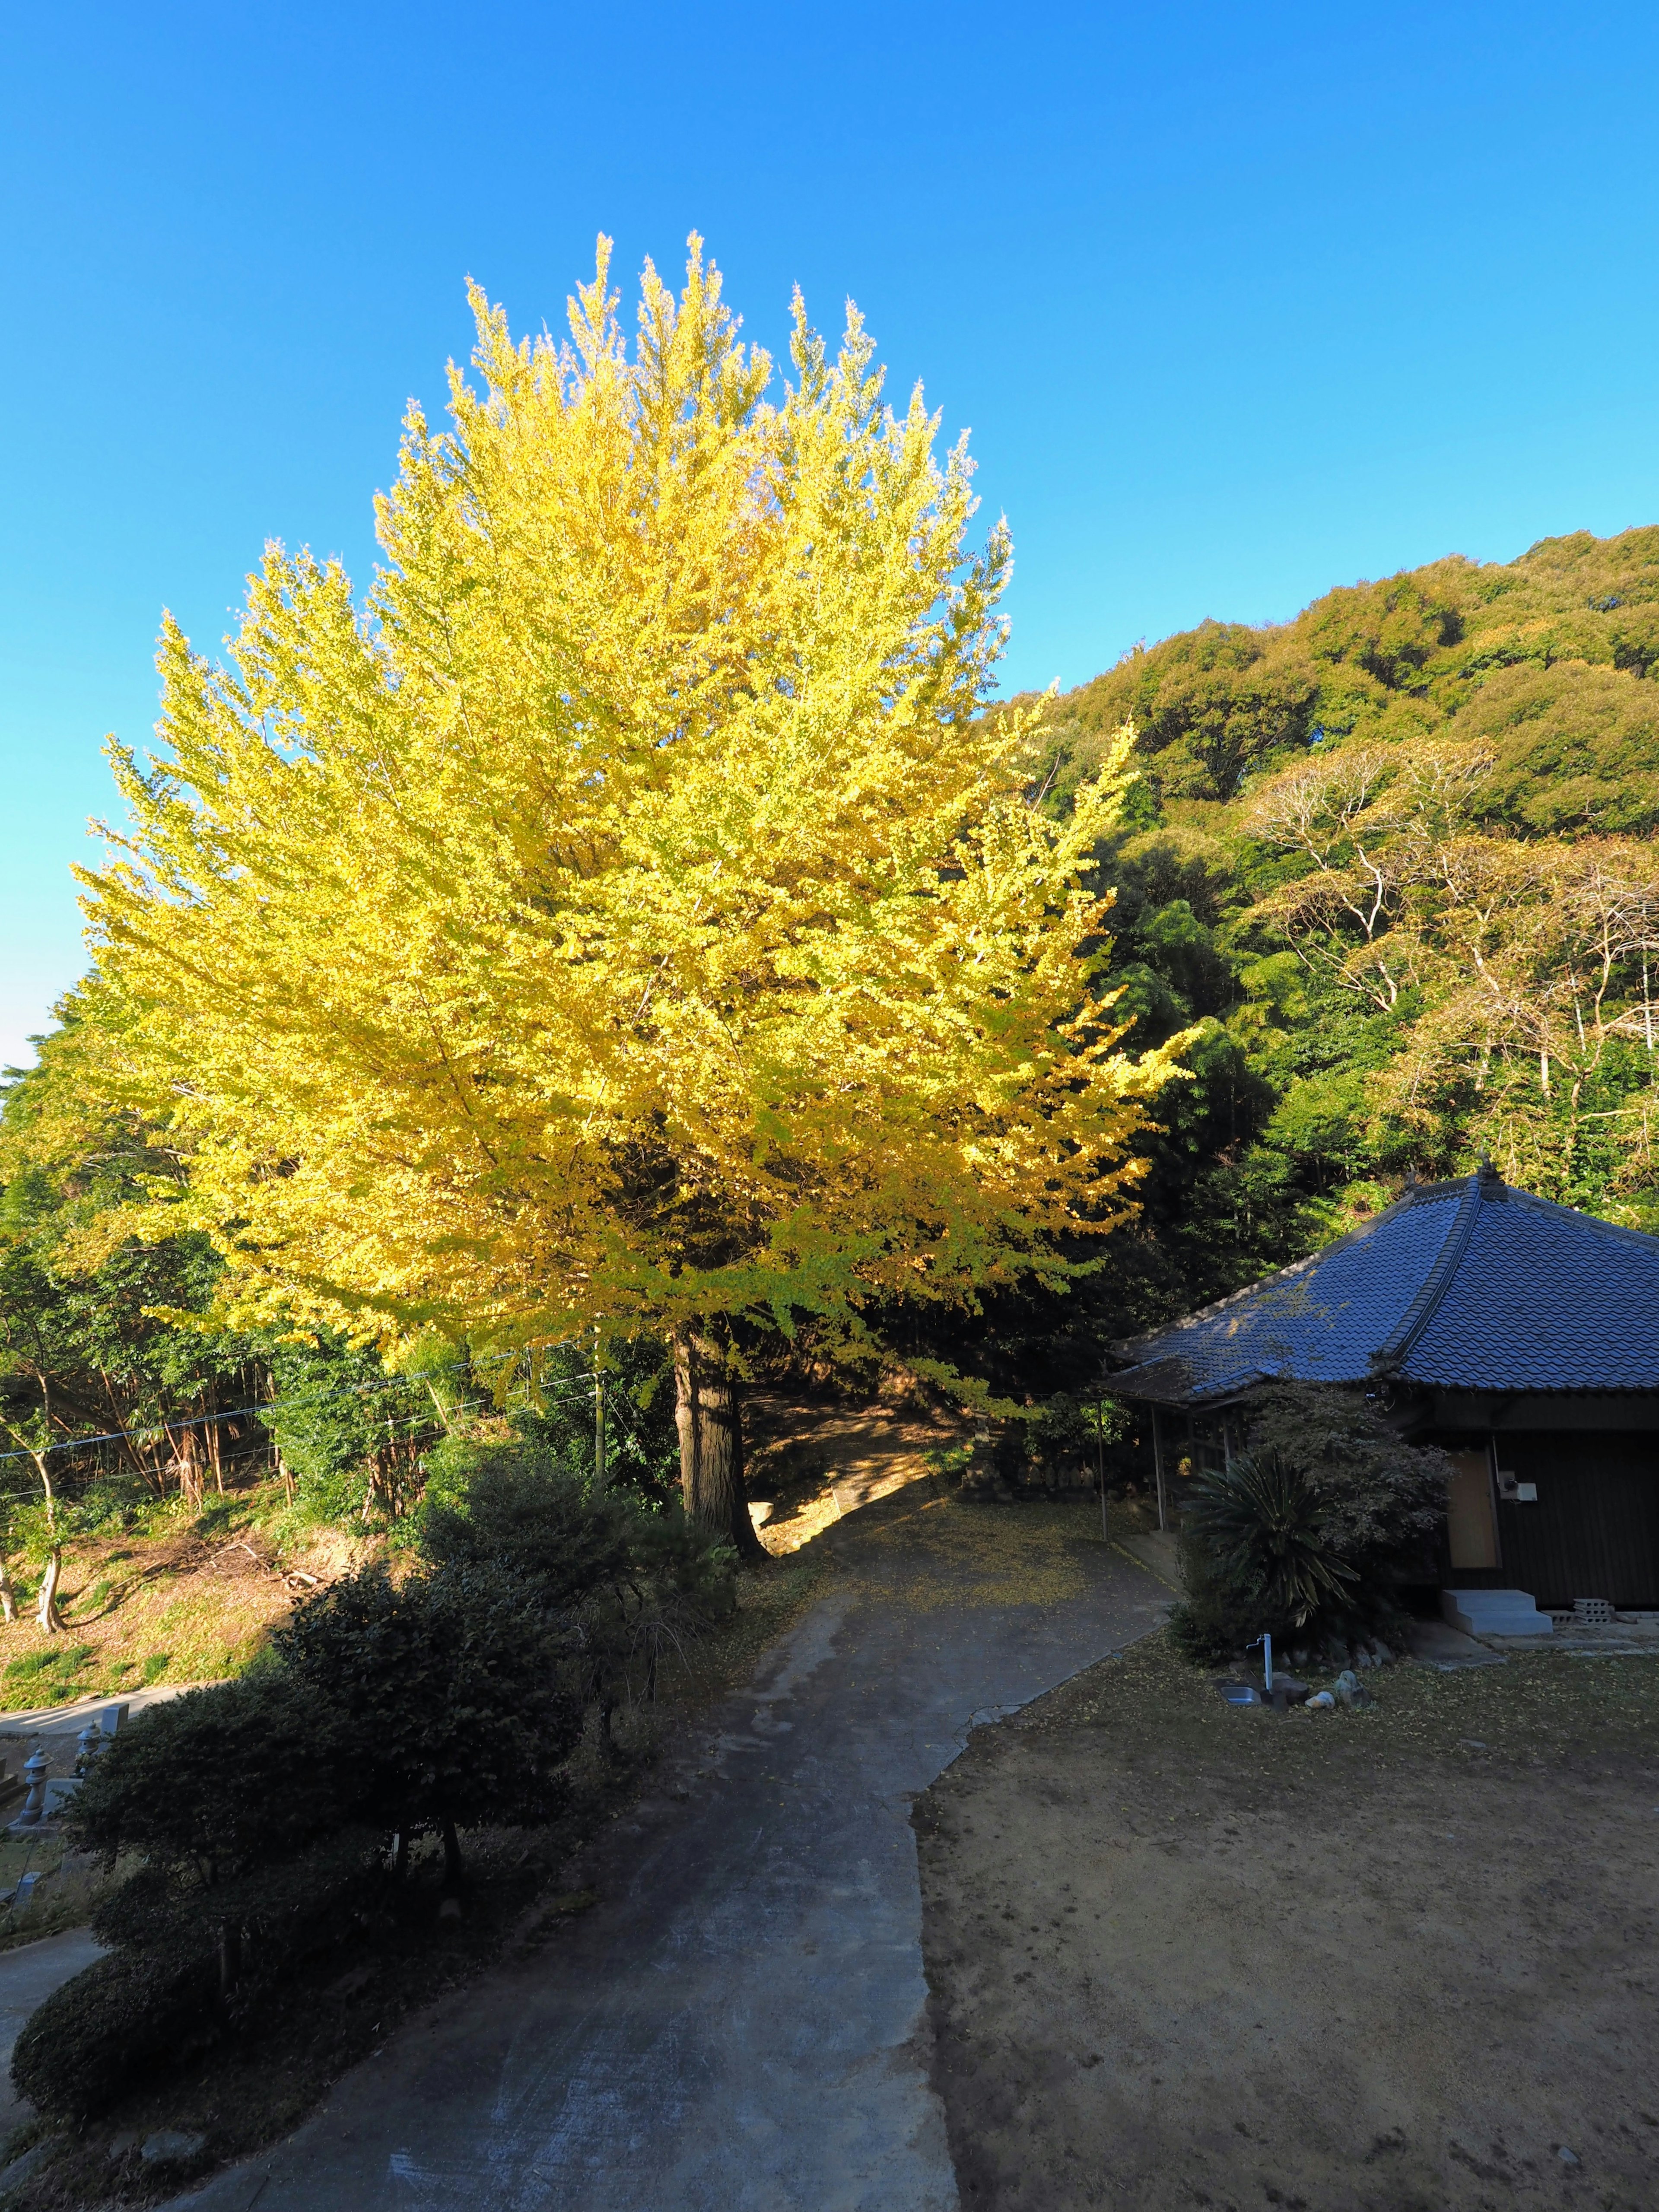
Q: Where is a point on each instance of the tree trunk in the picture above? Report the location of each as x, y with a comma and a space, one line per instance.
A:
8, 1596
49, 1619
230, 1958
452, 1857
710, 1418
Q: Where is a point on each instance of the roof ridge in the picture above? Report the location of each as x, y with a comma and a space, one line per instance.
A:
1513, 1194
1416, 1196
1438, 1281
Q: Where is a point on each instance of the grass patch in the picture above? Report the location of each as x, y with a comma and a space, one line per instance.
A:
167, 1596
55, 1659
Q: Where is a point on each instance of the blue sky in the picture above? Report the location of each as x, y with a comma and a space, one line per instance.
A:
1240, 302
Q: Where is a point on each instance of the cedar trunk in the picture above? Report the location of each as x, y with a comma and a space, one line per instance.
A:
710, 1417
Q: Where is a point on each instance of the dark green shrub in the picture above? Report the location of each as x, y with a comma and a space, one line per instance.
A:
635, 1581
114, 2025
1264, 1530
457, 1694
219, 1779
515, 1504
190, 1960
1309, 1534
1214, 1618
273, 1914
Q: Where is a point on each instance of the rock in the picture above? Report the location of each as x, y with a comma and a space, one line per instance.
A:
120, 2143
1349, 1690
1567, 2157
20, 2168
1322, 1702
169, 2147
1287, 1690
1364, 1658
1384, 1656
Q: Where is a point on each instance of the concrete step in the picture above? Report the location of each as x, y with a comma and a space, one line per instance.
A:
1495, 1612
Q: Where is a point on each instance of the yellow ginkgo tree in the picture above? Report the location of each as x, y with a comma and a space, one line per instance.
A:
627, 920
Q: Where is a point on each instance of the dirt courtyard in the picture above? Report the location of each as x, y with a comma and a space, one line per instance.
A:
1401, 1960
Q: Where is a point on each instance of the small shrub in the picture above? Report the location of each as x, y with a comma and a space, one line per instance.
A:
1310, 1531
455, 1694
219, 1779
113, 2026
1214, 1618
1266, 1530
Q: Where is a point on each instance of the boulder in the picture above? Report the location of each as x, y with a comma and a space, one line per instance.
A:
169, 2147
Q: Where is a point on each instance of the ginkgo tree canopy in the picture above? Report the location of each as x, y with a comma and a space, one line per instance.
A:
626, 916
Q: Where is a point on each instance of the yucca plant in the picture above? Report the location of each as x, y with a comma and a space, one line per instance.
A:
1260, 1523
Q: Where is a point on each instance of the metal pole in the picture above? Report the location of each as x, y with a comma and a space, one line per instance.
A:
598, 1422
1100, 1457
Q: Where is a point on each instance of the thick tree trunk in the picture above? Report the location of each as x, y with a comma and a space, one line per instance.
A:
710, 1417
8, 1596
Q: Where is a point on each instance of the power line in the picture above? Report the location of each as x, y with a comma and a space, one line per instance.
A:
183, 1421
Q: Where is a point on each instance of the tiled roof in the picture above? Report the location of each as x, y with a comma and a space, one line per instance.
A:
1460, 1285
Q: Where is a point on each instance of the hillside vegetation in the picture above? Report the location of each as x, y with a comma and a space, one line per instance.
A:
1391, 864
1385, 879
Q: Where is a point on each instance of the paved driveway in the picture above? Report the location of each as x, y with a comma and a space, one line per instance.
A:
739, 2026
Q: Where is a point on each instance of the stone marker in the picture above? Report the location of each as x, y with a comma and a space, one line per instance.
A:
34, 1785
169, 2147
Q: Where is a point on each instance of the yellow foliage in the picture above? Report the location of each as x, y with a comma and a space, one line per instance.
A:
628, 915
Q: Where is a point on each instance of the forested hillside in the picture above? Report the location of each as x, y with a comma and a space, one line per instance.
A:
1388, 872
1392, 864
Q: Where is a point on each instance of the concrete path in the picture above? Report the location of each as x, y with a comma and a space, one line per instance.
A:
39, 1720
28, 1976
739, 2026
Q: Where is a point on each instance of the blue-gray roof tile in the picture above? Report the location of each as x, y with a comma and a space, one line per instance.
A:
1459, 1286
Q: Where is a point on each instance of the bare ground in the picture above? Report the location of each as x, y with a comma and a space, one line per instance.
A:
813, 1460
1183, 1956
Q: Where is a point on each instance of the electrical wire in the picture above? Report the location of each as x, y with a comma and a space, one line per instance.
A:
184, 1421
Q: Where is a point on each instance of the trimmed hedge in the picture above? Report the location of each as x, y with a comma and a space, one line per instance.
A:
116, 2024
161, 1997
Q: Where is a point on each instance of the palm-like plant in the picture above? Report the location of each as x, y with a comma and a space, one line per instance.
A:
1260, 1522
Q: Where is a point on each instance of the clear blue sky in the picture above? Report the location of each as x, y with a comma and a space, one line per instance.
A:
1240, 301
